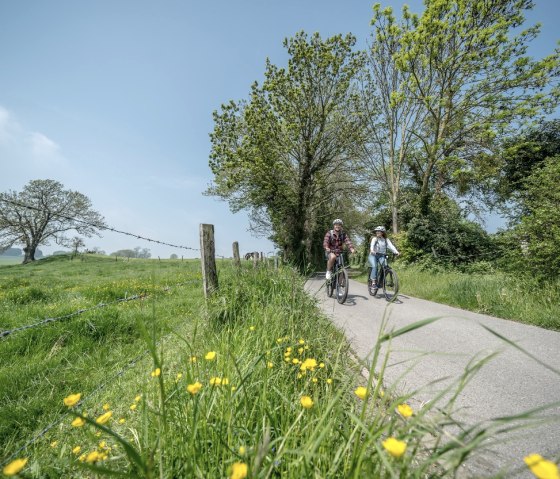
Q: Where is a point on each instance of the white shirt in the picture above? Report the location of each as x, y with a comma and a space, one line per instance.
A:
380, 245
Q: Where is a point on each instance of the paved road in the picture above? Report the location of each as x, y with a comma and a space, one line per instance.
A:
509, 384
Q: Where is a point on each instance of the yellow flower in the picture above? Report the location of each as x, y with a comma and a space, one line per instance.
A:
242, 450
156, 372
405, 410
300, 350
314, 380
106, 406
299, 376
541, 467
286, 359
122, 420
132, 407
16, 466
238, 470
233, 388
251, 328
54, 444
179, 376
361, 392
394, 447
289, 349
225, 381
215, 381
301, 341
72, 400
137, 398
322, 365
295, 361
104, 418
93, 456
306, 402
192, 359
269, 365
210, 356
78, 422
77, 450
279, 340
103, 445
329, 381
194, 388
309, 363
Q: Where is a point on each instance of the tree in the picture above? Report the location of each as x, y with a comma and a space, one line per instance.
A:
76, 243
173, 256
12, 252
284, 154
472, 77
43, 211
389, 110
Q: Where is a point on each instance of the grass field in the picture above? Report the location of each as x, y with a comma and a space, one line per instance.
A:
9, 260
497, 294
253, 383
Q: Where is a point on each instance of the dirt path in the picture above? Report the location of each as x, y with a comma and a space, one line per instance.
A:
509, 384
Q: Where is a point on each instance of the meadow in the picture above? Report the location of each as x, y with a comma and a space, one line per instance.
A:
254, 382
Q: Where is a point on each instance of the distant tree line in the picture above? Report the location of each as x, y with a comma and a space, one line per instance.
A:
133, 253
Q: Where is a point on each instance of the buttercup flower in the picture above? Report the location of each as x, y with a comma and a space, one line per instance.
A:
541, 467
314, 380
321, 365
179, 376
238, 470
78, 422
156, 372
361, 392
306, 402
192, 359
242, 450
269, 365
301, 341
251, 328
122, 420
308, 364
93, 456
137, 398
295, 361
104, 418
54, 444
15, 467
77, 450
210, 356
394, 447
106, 406
300, 350
329, 381
194, 388
72, 400
133, 407
405, 410
215, 381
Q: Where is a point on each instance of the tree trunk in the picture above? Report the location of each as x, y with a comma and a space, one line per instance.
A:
29, 252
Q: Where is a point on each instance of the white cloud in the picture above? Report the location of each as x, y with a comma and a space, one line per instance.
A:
41, 146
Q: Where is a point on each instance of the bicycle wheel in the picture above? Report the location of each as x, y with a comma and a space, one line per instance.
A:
371, 289
390, 285
329, 286
342, 285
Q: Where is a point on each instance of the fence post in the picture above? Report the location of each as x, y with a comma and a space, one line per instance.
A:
276, 261
236, 260
255, 259
208, 259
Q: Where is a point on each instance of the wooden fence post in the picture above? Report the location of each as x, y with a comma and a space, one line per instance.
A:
208, 259
236, 260
255, 259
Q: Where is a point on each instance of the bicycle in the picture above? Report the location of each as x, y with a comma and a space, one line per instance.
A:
386, 278
339, 280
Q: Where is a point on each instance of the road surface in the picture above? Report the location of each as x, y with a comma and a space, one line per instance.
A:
509, 384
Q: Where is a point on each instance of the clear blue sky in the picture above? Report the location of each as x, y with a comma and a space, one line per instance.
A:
115, 99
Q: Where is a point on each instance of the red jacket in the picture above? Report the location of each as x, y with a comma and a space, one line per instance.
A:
334, 241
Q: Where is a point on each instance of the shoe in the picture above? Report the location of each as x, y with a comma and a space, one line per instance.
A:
328, 275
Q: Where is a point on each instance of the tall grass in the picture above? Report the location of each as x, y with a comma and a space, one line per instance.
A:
254, 383
519, 298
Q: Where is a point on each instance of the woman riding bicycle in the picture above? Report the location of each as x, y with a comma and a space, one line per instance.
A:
378, 251
332, 244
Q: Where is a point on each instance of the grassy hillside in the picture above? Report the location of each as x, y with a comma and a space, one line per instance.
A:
254, 383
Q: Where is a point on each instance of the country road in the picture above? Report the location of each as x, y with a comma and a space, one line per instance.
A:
509, 384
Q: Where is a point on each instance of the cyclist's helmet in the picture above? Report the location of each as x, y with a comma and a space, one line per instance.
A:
338, 221
380, 228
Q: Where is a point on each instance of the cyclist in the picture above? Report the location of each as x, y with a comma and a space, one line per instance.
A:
377, 251
333, 244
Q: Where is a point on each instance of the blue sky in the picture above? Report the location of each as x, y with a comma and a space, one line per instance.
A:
115, 100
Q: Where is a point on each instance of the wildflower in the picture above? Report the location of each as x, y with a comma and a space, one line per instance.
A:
77, 450
309, 363
251, 328
394, 447
54, 444
299, 376
215, 381
314, 380
133, 407
321, 365
78, 422
242, 450
279, 340
179, 376
156, 372
306, 402
194, 388
233, 388
238, 470
122, 420
93, 456
137, 398
295, 361
541, 467
106, 406
104, 418
192, 359
329, 381
72, 400
225, 381
301, 341
103, 445
287, 359
210, 356
16, 466
405, 410
98, 434
361, 392
289, 349
269, 365
300, 350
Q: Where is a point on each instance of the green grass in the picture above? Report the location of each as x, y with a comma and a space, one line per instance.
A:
261, 327
496, 294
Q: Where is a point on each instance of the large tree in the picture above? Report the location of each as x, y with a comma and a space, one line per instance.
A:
470, 71
42, 212
284, 154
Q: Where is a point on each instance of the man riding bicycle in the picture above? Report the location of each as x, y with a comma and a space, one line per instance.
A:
333, 244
